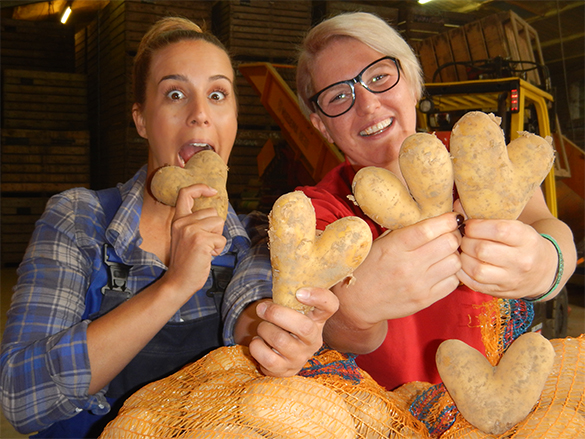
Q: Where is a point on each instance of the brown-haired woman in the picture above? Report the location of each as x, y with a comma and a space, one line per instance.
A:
76, 345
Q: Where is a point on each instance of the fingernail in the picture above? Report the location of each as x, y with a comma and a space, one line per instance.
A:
303, 294
462, 229
460, 218
261, 308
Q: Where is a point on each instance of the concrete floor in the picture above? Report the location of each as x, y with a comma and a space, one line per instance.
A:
576, 326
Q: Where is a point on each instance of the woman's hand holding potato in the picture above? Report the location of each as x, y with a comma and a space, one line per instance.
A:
195, 238
506, 258
287, 338
406, 271
502, 252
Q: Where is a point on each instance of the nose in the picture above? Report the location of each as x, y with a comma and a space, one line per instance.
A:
365, 101
198, 112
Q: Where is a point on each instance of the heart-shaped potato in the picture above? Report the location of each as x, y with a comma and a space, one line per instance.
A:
495, 182
494, 399
205, 167
426, 167
300, 258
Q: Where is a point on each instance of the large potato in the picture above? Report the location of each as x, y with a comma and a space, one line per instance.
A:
494, 399
300, 258
295, 407
205, 167
493, 181
426, 167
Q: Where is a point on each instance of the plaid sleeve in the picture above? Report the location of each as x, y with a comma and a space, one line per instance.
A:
252, 279
44, 365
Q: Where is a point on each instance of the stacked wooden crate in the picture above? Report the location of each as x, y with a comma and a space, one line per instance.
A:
36, 45
331, 8
44, 136
503, 35
19, 214
262, 30
254, 31
416, 24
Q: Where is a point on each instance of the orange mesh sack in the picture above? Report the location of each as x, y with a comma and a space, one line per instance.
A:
560, 410
223, 395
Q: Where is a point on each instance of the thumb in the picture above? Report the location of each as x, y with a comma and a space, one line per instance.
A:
184, 203
325, 303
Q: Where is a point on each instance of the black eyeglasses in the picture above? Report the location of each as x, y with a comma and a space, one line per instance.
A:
377, 77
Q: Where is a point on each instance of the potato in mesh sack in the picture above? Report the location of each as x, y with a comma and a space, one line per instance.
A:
224, 396
560, 411
295, 407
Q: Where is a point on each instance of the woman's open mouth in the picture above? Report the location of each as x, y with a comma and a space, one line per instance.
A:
190, 150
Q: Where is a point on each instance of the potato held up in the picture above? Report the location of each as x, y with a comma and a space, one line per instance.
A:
301, 259
205, 167
495, 182
426, 167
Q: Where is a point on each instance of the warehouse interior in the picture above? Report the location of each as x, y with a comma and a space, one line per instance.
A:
85, 135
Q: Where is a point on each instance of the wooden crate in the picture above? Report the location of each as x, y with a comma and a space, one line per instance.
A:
331, 8
426, 56
44, 100
243, 164
417, 24
44, 161
442, 46
252, 114
262, 30
460, 51
503, 35
18, 217
476, 42
37, 45
523, 41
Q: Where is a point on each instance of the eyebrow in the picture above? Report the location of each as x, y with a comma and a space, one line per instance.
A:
183, 78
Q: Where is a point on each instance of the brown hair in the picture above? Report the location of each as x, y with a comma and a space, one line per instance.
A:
164, 32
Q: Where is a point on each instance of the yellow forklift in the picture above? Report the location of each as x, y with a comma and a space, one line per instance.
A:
522, 107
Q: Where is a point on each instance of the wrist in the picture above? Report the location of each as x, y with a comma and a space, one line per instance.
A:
558, 274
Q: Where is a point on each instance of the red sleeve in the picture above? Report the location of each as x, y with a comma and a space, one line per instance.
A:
332, 198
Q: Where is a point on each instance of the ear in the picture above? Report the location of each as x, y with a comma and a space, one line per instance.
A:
318, 123
139, 121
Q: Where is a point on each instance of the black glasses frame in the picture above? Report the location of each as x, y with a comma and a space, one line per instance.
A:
351, 82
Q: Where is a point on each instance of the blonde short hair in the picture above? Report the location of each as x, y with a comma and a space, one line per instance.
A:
366, 28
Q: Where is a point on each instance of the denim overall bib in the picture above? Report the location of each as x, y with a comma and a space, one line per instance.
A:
174, 346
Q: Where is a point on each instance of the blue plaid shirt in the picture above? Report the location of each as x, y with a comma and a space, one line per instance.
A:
44, 364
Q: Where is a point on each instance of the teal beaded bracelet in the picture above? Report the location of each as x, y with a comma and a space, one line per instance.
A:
560, 269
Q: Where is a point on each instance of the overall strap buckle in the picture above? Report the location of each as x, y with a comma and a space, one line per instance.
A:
117, 273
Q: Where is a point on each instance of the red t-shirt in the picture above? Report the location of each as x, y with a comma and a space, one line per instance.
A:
408, 352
